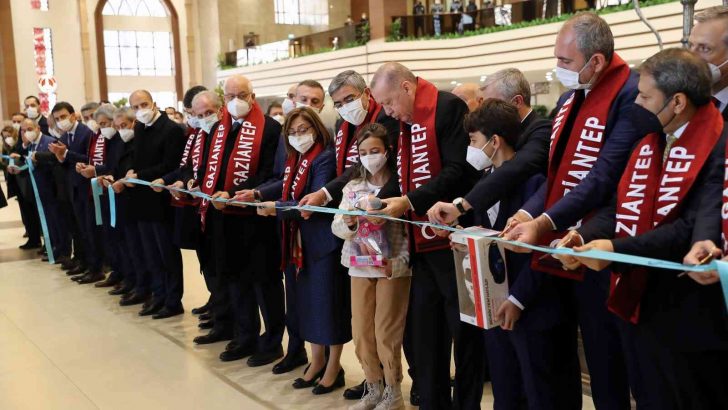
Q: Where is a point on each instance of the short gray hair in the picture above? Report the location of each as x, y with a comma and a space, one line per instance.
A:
348, 77
125, 112
208, 95
509, 83
677, 70
89, 106
593, 35
392, 72
105, 110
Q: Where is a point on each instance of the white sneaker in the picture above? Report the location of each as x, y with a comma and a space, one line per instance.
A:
391, 399
372, 396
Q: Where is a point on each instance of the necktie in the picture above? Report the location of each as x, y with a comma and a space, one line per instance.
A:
671, 138
70, 137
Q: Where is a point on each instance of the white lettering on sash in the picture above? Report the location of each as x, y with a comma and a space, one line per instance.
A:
215, 160
301, 170
724, 208
678, 162
242, 155
420, 174
352, 156
629, 212
560, 117
584, 160
98, 154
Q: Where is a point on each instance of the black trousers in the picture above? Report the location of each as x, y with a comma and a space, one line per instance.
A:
29, 216
165, 263
435, 326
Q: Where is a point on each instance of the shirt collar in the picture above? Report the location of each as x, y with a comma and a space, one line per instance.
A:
722, 97
156, 117
529, 113
73, 130
678, 132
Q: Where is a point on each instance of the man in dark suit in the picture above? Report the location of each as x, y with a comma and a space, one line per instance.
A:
32, 110
681, 320
158, 144
244, 246
432, 145
706, 41
591, 139
71, 149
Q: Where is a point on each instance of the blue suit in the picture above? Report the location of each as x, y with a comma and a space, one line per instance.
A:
319, 306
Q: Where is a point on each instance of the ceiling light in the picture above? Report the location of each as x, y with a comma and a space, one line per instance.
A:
453, 82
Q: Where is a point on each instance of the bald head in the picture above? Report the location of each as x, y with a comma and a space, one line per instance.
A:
394, 87
392, 73
141, 99
237, 84
470, 93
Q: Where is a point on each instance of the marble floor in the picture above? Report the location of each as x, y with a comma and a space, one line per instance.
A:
67, 346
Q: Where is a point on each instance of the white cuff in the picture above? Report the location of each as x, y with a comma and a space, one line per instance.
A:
329, 198
553, 225
516, 302
526, 212
411, 207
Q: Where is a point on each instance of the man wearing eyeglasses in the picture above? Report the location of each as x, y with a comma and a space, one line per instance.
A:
239, 155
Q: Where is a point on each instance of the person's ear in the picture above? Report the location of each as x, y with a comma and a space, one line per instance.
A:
681, 102
599, 62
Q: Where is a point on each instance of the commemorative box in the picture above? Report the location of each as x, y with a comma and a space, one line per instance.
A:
482, 275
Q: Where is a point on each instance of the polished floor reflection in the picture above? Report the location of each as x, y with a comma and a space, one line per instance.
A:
69, 346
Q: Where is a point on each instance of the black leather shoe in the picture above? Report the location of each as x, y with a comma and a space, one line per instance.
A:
30, 245
120, 290
108, 282
151, 309
291, 362
356, 392
302, 383
338, 383
166, 312
77, 270
264, 358
206, 325
133, 299
231, 346
204, 317
212, 337
202, 309
91, 278
69, 264
239, 352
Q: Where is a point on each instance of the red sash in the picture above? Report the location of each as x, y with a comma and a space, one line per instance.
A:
724, 208
348, 142
293, 190
651, 193
418, 160
243, 161
195, 142
97, 150
579, 152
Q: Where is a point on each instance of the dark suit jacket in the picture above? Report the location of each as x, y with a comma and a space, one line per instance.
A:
157, 150
77, 152
683, 314
389, 190
316, 232
595, 190
114, 151
43, 123
531, 158
456, 176
542, 295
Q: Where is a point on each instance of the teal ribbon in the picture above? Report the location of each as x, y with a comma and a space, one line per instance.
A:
112, 206
41, 213
723, 275
11, 163
96, 192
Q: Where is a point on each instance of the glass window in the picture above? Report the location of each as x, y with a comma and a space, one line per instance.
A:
138, 8
138, 53
304, 12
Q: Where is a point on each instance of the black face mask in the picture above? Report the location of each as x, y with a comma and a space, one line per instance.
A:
645, 121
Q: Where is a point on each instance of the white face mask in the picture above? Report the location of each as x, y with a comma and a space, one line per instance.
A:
108, 132
192, 122
65, 125
145, 115
126, 134
373, 162
478, 158
301, 105
570, 79
207, 122
301, 143
93, 125
288, 105
9, 141
31, 136
353, 112
715, 73
54, 133
238, 108
280, 118
16, 126
31, 112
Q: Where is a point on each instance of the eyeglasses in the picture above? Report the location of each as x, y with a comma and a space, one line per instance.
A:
242, 96
300, 131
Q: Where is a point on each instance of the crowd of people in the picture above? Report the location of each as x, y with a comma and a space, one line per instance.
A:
621, 142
